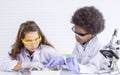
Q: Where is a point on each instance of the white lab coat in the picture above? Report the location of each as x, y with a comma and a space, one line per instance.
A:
43, 55
88, 56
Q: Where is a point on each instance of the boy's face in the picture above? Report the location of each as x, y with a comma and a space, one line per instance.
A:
81, 35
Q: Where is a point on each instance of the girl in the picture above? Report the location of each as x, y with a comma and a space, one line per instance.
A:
30, 49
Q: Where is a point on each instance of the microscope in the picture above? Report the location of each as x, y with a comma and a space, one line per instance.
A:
111, 51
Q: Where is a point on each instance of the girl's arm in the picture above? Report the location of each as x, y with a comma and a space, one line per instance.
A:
18, 66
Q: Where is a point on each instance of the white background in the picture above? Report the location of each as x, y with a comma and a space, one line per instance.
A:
53, 17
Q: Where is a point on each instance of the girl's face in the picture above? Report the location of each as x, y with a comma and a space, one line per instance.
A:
31, 41
81, 35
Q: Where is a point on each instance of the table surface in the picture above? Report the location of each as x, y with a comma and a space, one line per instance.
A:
60, 73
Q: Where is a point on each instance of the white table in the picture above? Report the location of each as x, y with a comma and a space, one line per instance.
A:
72, 73
61, 73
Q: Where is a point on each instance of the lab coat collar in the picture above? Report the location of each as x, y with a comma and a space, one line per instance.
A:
26, 52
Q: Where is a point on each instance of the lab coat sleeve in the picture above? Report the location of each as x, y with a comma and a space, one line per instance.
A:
47, 53
7, 64
95, 65
87, 68
102, 63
